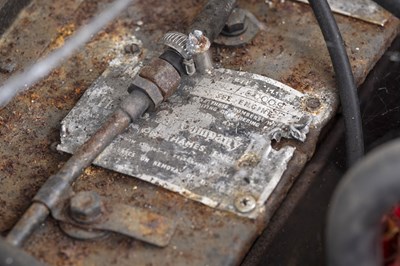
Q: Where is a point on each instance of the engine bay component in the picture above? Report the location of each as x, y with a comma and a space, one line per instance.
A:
211, 142
290, 51
163, 75
87, 212
160, 72
240, 29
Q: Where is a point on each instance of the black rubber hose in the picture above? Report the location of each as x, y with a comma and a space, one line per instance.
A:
366, 193
393, 6
344, 79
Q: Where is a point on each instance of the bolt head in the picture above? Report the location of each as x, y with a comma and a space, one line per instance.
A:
236, 23
85, 207
245, 203
313, 103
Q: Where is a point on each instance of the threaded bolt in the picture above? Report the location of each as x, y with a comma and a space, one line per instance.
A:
85, 207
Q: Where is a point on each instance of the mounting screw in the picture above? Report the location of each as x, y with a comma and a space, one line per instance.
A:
313, 103
245, 203
85, 207
236, 23
131, 48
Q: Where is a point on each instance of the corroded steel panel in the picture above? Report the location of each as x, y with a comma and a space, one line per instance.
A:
290, 50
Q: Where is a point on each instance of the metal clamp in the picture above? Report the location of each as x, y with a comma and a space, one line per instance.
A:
178, 42
193, 48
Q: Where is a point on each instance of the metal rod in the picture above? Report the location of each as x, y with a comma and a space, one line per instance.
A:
13, 256
213, 17
57, 185
30, 220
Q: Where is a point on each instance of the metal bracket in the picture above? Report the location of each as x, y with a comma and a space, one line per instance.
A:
178, 41
87, 216
194, 50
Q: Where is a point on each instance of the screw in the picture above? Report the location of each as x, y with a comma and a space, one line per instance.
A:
245, 203
197, 42
131, 48
85, 207
313, 103
236, 23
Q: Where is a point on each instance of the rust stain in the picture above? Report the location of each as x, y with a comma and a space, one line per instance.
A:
63, 33
250, 159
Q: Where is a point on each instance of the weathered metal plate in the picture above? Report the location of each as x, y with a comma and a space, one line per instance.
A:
211, 142
291, 50
366, 10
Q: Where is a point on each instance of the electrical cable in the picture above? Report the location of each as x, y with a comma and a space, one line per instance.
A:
37, 71
393, 6
344, 79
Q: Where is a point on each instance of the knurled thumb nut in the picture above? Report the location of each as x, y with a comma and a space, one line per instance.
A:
163, 75
85, 207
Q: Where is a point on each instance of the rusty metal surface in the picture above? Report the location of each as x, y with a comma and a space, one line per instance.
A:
43, 25
162, 74
9, 10
27, 224
136, 223
290, 50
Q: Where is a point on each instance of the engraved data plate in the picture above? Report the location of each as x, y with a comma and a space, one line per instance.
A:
210, 142
366, 10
